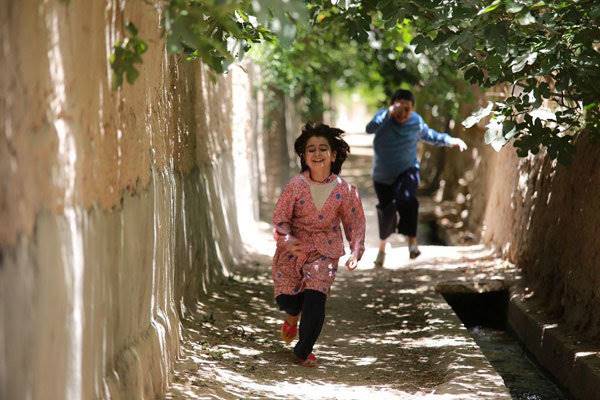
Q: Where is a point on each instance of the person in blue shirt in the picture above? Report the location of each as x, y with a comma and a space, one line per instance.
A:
397, 130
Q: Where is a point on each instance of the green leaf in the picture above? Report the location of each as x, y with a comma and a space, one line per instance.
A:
509, 129
132, 74
493, 135
466, 40
422, 43
526, 19
522, 152
126, 53
512, 7
478, 115
490, 8
543, 113
281, 17
544, 90
132, 29
520, 62
563, 81
473, 74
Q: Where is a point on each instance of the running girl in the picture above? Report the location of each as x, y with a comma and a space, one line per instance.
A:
309, 239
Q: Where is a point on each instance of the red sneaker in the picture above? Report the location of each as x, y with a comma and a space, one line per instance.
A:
310, 362
288, 332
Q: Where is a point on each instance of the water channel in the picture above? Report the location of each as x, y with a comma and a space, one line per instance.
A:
484, 315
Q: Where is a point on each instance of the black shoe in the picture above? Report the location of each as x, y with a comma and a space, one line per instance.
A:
413, 252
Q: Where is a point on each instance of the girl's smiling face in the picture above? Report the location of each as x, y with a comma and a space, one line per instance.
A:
318, 155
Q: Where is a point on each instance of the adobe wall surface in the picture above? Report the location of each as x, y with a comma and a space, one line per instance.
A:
546, 218
117, 207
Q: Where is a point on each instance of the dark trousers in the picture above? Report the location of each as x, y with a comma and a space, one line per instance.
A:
398, 206
312, 305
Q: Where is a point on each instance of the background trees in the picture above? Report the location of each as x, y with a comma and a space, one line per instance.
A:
544, 57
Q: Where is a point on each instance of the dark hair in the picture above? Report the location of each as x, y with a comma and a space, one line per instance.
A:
333, 136
403, 94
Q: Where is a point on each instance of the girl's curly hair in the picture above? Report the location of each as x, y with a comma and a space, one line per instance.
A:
333, 136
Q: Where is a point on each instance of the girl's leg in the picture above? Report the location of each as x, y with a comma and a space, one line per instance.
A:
311, 323
292, 305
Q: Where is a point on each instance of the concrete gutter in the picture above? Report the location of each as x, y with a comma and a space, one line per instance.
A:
574, 364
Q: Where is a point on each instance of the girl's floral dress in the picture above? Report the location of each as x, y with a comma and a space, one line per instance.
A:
297, 218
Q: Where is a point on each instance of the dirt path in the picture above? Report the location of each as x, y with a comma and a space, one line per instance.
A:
387, 334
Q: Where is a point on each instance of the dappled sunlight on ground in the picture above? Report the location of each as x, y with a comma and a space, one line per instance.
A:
387, 334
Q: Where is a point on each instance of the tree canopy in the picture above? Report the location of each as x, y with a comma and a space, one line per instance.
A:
542, 58
546, 54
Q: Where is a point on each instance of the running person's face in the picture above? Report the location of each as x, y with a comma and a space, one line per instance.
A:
401, 110
318, 155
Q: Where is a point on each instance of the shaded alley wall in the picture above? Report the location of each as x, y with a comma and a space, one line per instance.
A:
542, 216
117, 207
546, 218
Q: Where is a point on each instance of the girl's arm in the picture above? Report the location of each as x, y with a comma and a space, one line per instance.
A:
282, 216
353, 220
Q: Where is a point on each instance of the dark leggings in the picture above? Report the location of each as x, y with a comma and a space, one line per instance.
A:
398, 200
312, 305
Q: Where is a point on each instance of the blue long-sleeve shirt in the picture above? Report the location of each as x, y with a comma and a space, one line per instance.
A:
395, 145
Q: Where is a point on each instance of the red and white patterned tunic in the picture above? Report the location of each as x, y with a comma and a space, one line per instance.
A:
297, 218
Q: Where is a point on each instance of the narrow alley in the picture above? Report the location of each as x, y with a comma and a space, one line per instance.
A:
144, 145
388, 333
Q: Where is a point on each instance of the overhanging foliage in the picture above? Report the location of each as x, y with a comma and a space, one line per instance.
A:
218, 32
544, 56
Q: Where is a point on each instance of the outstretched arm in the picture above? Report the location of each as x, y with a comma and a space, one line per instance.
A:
377, 120
440, 139
458, 142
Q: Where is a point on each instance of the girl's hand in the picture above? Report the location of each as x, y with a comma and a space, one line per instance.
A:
352, 263
294, 246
